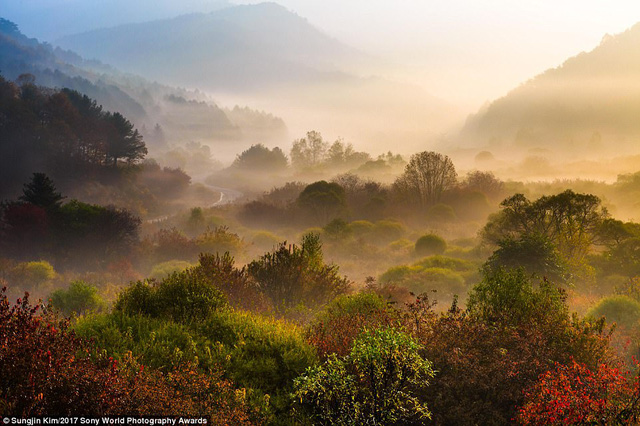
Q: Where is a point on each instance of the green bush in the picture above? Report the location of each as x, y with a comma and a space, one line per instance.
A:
79, 298
293, 276
260, 354
441, 213
385, 231
155, 342
511, 297
622, 310
430, 244
265, 240
446, 262
183, 297
164, 269
374, 384
31, 275
361, 228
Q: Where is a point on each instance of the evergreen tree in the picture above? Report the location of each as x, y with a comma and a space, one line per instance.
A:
42, 192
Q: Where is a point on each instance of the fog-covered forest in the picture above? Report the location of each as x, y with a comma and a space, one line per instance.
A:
221, 210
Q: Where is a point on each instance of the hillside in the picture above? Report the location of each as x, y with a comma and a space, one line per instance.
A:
591, 101
266, 55
183, 115
242, 48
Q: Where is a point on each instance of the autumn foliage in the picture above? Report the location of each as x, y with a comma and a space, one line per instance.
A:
46, 369
574, 394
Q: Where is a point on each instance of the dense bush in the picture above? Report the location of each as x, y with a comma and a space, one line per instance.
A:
575, 394
622, 310
350, 314
237, 285
430, 244
45, 369
374, 384
297, 275
183, 297
164, 269
79, 298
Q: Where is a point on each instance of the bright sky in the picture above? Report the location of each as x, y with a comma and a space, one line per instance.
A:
470, 51
465, 51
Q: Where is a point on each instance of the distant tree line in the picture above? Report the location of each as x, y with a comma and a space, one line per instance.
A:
60, 132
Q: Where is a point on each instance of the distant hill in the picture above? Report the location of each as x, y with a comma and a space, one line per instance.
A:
241, 48
184, 115
266, 55
591, 101
22, 55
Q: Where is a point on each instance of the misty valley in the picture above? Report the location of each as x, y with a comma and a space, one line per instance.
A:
219, 212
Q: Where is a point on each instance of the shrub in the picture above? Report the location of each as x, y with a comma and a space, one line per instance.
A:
220, 240
575, 394
361, 228
31, 275
236, 284
162, 270
441, 213
622, 310
79, 298
294, 275
47, 370
430, 244
374, 384
262, 354
333, 330
183, 297
385, 231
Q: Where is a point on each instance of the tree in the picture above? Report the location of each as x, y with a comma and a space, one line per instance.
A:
535, 253
123, 140
485, 182
323, 200
309, 151
574, 394
293, 275
571, 221
41, 192
375, 384
426, 177
261, 158
80, 298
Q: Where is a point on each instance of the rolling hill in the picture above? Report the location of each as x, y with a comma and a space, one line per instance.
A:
591, 101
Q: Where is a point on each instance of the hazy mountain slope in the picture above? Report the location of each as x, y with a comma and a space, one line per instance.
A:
183, 115
240, 48
267, 56
21, 55
591, 101
52, 19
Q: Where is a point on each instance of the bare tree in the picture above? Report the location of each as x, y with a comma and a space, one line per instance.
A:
426, 176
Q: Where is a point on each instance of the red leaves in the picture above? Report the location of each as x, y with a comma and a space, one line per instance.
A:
574, 394
46, 369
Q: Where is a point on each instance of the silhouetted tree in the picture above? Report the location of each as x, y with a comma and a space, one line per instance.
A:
41, 192
426, 177
123, 141
309, 151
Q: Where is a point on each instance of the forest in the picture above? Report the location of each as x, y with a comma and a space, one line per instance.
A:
162, 254
356, 298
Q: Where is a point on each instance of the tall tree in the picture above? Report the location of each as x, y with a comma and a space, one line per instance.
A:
41, 192
309, 151
123, 141
426, 177
571, 221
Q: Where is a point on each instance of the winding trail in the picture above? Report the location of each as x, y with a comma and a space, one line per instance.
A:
227, 196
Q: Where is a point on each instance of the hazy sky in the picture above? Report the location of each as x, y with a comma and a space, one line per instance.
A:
466, 51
